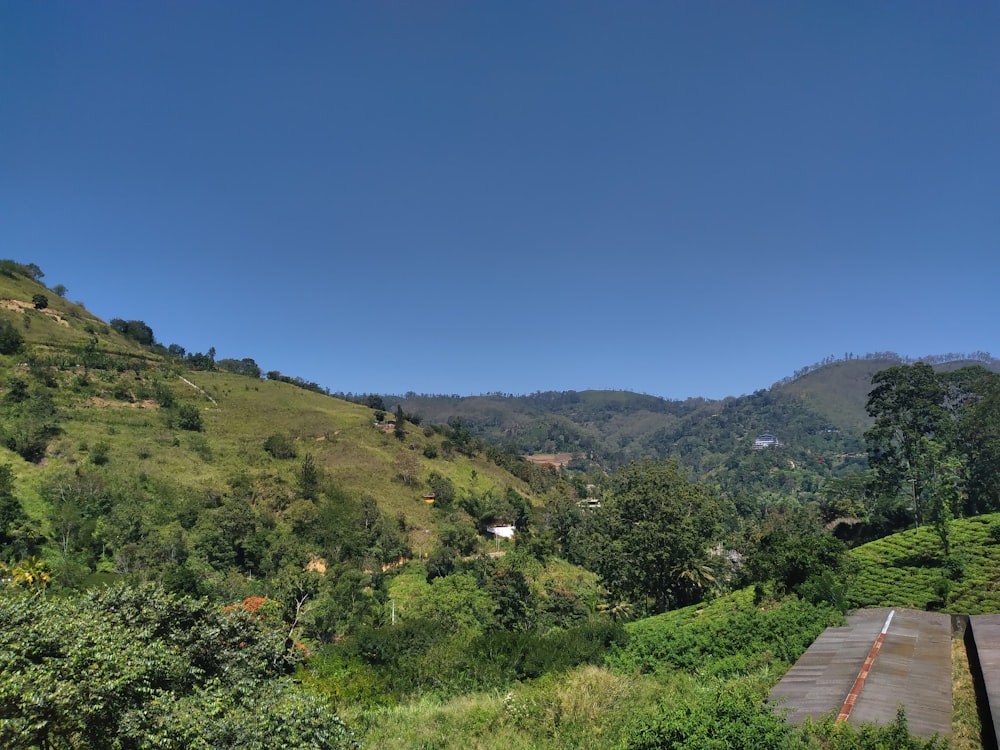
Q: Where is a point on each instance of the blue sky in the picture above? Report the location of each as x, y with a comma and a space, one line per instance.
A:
678, 198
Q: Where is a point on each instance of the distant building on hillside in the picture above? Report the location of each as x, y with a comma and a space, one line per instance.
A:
766, 441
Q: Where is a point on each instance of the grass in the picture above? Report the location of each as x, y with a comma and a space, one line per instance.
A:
966, 728
586, 708
104, 410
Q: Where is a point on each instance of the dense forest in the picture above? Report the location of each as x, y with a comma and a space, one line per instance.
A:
197, 553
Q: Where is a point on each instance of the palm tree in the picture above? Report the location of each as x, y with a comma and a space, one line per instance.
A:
29, 572
620, 611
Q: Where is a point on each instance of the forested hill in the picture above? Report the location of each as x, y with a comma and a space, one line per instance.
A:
617, 426
818, 414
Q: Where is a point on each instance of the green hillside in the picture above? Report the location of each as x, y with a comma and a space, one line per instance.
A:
126, 458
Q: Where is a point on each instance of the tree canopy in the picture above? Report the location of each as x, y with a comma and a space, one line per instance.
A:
935, 441
650, 539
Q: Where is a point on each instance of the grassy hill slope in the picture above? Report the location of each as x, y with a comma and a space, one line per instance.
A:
134, 441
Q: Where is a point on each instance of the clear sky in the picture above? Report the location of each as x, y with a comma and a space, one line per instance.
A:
679, 198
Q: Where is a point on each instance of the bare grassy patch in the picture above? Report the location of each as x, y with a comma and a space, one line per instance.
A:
966, 729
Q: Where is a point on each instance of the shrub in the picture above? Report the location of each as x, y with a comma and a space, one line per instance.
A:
10, 339
189, 418
732, 627
99, 453
731, 716
163, 395
995, 532
843, 735
280, 446
140, 667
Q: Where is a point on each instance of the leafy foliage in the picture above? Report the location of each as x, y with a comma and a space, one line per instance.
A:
136, 330
138, 667
732, 636
790, 552
652, 532
189, 418
246, 366
933, 442
731, 715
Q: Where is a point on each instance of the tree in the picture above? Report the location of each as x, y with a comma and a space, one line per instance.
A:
400, 429
136, 330
653, 526
40, 301
407, 468
790, 547
32, 421
373, 401
513, 601
60, 289
442, 488
199, 361
980, 442
907, 405
945, 491
11, 513
245, 366
309, 478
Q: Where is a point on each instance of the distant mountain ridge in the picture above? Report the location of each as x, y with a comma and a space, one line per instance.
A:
818, 415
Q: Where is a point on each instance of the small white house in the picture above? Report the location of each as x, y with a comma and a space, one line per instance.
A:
505, 530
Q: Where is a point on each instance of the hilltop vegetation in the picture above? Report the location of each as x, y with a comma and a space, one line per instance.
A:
819, 415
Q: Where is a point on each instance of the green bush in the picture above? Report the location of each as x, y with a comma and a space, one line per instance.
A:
10, 338
732, 715
727, 637
99, 453
189, 418
280, 446
995, 532
833, 735
139, 667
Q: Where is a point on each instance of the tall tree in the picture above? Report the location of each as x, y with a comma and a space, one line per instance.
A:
10, 507
309, 478
400, 429
654, 528
980, 442
908, 406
